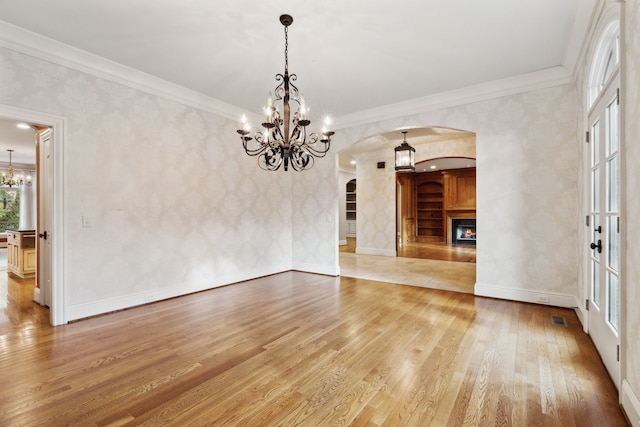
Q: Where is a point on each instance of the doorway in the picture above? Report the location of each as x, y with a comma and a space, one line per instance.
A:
603, 189
51, 224
18, 222
380, 195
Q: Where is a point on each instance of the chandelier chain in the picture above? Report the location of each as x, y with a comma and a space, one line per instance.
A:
286, 49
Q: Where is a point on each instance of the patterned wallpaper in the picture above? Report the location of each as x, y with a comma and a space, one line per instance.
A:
173, 202
527, 169
170, 196
631, 105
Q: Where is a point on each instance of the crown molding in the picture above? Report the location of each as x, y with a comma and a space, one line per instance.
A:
35, 45
542, 79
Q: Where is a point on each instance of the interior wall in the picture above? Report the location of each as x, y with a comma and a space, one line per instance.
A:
464, 147
160, 199
526, 151
314, 218
376, 203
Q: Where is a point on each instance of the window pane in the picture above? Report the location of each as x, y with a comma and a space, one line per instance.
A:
596, 283
613, 297
614, 243
608, 68
613, 127
595, 143
595, 190
613, 185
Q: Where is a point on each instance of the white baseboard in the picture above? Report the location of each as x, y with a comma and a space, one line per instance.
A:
342, 242
630, 403
327, 270
580, 312
81, 311
526, 295
375, 251
36, 296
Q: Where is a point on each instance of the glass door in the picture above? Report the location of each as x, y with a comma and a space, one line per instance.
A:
604, 215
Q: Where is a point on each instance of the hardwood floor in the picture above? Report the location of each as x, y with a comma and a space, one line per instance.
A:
438, 251
310, 350
431, 267
434, 251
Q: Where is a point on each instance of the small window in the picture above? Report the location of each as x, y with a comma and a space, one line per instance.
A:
9, 210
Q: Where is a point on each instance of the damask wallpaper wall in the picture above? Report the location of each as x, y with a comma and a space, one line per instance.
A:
172, 203
527, 169
160, 200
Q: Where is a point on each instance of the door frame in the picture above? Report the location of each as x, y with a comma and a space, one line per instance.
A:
608, 18
606, 97
57, 125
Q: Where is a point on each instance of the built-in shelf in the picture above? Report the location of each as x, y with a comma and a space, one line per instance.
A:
430, 201
351, 208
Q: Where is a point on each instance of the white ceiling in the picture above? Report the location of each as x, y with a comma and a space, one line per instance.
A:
350, 56
22, 141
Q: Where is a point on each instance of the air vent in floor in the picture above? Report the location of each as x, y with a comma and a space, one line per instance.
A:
558, 321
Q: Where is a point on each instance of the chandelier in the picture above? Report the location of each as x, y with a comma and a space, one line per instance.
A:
284, 140
13, 179
405, 156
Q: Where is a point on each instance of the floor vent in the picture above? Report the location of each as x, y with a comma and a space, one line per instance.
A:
558, 321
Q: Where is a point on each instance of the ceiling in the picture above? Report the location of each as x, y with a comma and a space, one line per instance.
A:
22, 141
349, 56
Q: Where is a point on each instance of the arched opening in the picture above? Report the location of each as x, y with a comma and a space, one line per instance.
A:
385, 199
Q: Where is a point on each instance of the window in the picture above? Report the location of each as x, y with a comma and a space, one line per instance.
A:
606, 63
9, 210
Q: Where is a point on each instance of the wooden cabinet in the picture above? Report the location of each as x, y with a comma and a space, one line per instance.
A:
460, 189
21, 253
429, 209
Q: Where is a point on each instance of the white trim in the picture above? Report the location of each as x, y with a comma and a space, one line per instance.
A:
36, 296
342, 242
526, 295
326, 270
630, 403
57, 309
582, 316
550, 77
81, 311
583, 22
33, 44
375, 251
30, 43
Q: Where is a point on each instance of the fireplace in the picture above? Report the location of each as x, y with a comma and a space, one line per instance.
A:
463, 231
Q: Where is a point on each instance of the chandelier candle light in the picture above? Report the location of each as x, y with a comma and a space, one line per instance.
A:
279, 143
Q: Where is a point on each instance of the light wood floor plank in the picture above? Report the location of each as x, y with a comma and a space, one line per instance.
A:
310, 350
